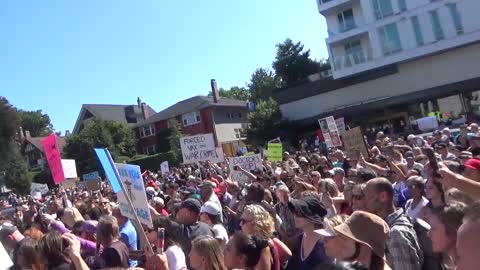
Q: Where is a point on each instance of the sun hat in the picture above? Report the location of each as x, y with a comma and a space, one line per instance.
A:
367, 229
309, 207
70, 216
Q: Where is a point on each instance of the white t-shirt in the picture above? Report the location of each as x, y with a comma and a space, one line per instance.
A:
414, 212
220, 232
176, 258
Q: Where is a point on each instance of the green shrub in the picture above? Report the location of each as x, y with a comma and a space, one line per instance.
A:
152, 162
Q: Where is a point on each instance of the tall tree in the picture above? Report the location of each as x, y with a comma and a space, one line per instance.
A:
174, 139
9, 123
36, 122
16, 174
262, 83
292, 63
235, 92
263, 122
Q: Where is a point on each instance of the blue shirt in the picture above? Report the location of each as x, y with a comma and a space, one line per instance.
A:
128, 235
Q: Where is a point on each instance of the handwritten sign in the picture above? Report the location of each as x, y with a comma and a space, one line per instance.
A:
275, 152
340, 122
164, 168
92, 185
52, 154
132, 180
69, 183
91, 176
198, 148
248, 163
354, 143
69, 168
330, 132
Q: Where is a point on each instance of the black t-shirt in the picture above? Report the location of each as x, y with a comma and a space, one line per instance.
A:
94, 214
116, 255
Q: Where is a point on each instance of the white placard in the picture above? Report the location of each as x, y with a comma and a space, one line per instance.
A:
246, 162
198, 148
36, 187
164, 168
340, 125
69, 168
330, 132
132, 180
5, 261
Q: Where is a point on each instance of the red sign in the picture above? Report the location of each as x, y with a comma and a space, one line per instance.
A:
52, 154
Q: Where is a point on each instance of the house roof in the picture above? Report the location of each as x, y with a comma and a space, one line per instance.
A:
110, 112
192, 104
37, 142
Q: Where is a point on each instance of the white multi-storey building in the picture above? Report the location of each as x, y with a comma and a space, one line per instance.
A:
368, 34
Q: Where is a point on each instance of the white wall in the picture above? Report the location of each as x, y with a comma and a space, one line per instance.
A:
428, 72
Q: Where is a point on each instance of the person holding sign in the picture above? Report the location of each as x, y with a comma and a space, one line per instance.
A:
115, 252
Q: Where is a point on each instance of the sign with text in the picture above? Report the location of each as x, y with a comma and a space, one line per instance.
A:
246, 162
198, 148
340, 122
275, 152
69, 168
354, 143
38, 189
92, 185
52, 154
69, 183
91, 176
330, 132
132, 180
164, 168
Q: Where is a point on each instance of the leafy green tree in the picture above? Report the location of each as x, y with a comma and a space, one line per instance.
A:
292, 63
263, 122
235, 92
9, 123
118, 138
262, 83
36, 122
16, 174
174, 138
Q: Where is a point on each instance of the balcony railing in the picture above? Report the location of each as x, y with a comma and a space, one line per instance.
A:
352, 59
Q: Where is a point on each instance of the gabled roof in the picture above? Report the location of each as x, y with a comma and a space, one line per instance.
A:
109, 112
37, 142
190, 105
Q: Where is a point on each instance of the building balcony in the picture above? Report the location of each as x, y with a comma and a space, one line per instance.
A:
345, 33
326, 6
352, 60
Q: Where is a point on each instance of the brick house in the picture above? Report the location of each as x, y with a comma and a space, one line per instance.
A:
33, 149
225, 118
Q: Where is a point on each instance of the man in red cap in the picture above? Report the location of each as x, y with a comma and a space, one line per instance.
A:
472, 169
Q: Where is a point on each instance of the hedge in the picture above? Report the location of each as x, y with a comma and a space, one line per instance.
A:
152, 162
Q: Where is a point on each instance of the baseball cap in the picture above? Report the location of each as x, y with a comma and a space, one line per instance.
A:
374, 238
188, 190
211, 208
193, 205
473, 164
303, 159
337, 170
150, 191
158, 200
411, 137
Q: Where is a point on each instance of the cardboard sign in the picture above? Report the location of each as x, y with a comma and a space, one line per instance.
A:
353, 142
52, 154
70, 183
132, 180
108, 166
340, 122
330, 132
164, 168
246, 162
69, 168
275, 152
198, 148
36, 187
91, 176
92, 185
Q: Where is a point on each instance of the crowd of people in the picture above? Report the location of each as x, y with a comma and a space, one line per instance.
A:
400, 207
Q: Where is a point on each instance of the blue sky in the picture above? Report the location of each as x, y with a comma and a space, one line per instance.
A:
56, 55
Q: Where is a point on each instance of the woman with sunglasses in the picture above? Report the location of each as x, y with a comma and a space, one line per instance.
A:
258, 221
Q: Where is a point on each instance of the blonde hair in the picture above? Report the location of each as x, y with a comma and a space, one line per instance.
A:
262, 220
330, 187
455, 194
209, 248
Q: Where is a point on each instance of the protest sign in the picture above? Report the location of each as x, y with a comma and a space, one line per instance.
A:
354, 143
164, 168
52, 154
69, 183
132, 180
340, 122
246, 162
82, 185
5, 261
36, 187
330, 132
275, 152
108, 166
92, 185
69, 168
198, 148
91, 176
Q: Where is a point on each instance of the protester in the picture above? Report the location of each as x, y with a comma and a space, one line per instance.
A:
244, 251
206, 254
128, 234
51, 249
210, 214
414, 206
115, 252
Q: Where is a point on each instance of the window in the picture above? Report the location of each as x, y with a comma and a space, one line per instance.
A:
402, 5
390, 39
146, 131
382, 8
346, 21
239, 133
229, 115
457, 21
149, 150
417, 30
354, 52
192, 118
240, 115
436, 25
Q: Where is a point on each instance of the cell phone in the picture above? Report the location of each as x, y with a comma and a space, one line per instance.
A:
388, 150
160, 240
235, 168
428, 151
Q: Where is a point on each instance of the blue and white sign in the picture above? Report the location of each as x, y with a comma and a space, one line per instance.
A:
91, 176
108, 166
132, 181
